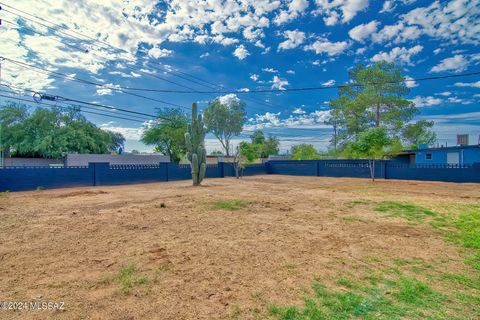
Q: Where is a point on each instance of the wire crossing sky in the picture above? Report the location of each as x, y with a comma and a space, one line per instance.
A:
285, 59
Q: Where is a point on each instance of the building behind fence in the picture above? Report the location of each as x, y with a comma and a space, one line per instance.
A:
104, 173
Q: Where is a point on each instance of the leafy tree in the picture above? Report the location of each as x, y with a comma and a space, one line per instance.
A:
418, 133
245, 153
374, 98
373, 144
304, 152
258, 137
168, 133
117, 141
265, 146
270, 147
50, 133
10, 115
225, 120
134, 151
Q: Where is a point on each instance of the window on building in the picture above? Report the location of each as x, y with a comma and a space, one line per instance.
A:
428, 156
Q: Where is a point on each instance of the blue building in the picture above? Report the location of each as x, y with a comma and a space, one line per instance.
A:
460, 155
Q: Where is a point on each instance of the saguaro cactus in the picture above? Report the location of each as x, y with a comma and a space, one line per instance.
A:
195, 139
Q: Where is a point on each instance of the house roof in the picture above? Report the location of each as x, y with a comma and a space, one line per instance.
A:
446, 148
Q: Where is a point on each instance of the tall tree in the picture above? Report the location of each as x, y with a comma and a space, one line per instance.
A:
117, 141
417, 133
50, 133
265, 146
168, 133
10, 115
375, 97
304, 152
224, 118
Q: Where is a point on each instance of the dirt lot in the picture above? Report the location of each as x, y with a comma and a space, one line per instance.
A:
172, 251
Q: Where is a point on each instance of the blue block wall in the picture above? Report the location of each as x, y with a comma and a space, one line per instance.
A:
445, 173
31, 178
327, 168
96, 174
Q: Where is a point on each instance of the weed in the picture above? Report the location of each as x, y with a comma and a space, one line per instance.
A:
162, 205
127, 278
235, 312
230, 204
405, 210
40, 188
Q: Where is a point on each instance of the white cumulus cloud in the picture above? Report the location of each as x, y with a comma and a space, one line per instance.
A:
331, 48
456, 63
397, 54
240, 52
294, 39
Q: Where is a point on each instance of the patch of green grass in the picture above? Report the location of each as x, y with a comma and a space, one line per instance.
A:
235, 313
388, 299
347, 283
405, 210
467, 234
231, 205
128, 278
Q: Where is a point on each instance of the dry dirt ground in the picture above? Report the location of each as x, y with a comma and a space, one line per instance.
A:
164, 251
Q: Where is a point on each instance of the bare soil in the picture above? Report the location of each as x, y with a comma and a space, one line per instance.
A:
200, 262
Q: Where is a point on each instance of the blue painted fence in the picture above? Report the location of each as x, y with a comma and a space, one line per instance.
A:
97, 174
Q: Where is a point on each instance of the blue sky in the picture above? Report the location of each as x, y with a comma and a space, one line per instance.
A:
246, 44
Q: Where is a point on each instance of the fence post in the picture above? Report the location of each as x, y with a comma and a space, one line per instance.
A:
385, 164
268, 167
222, 169
98, 168
166, 171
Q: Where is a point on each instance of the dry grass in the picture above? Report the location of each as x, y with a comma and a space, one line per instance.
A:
254, 248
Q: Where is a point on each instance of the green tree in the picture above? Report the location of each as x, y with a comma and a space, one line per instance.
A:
304, 152
225, 120
265, 146
245, 153
50, 133
375, 97
168, 133
117, 141
258, 137
373, 144
10, 115
417, 133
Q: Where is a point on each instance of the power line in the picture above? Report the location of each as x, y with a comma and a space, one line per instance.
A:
56, 27
121, 88
60, 99
85, 107
83, 81
90, 112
